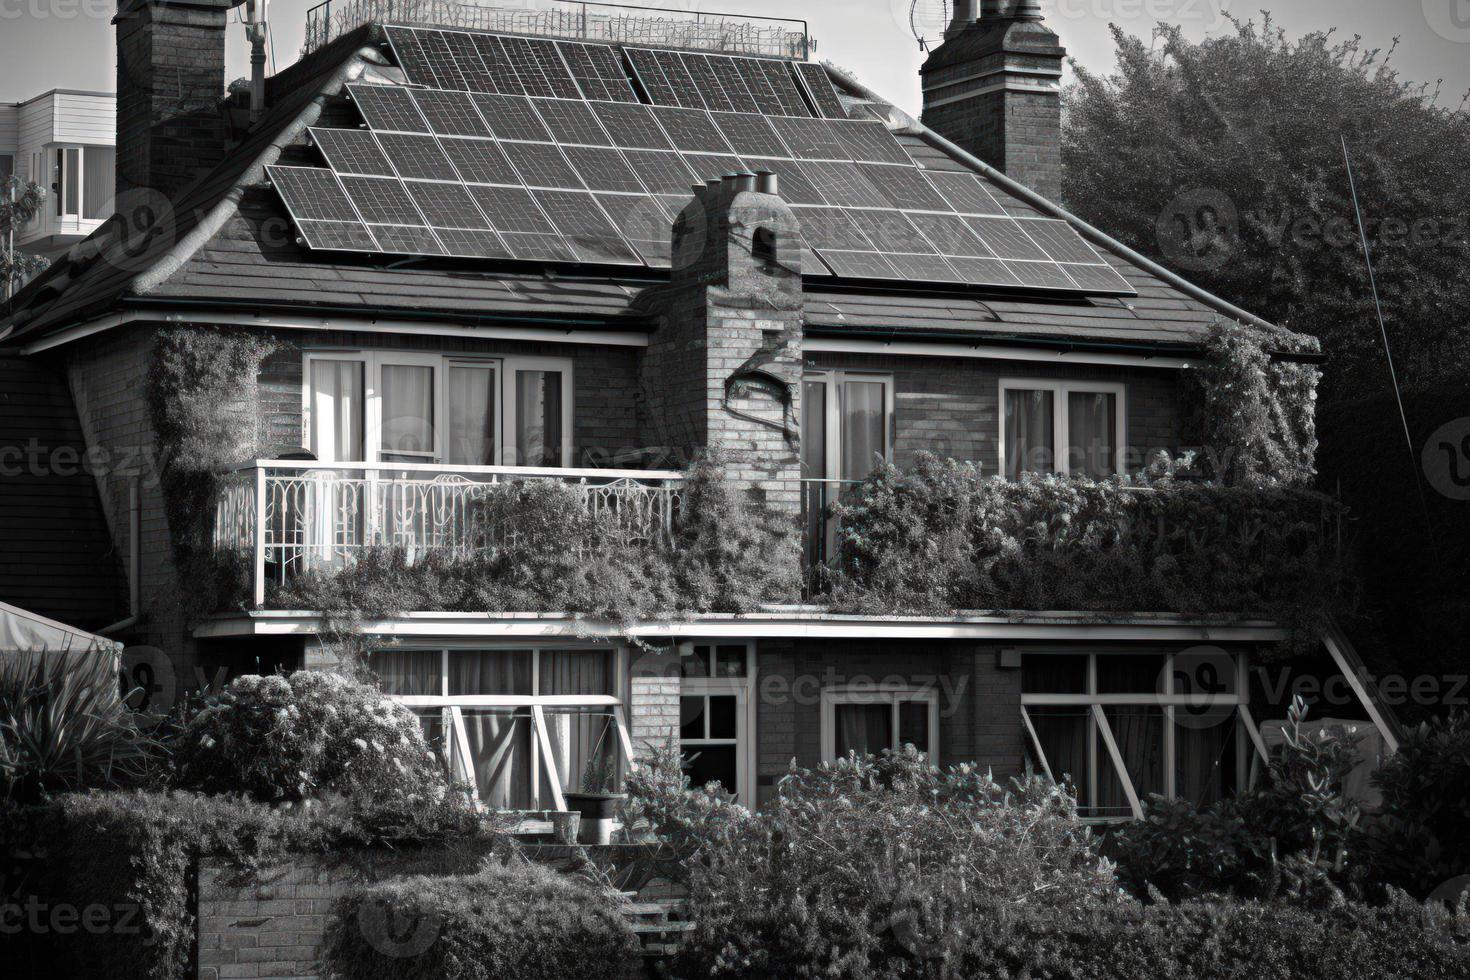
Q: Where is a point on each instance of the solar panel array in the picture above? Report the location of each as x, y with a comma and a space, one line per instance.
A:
533, 149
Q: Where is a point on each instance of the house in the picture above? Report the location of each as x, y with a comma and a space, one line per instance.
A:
478, 259
61, 140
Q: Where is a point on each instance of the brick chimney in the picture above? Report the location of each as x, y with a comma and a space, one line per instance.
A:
170, 80
723, 370
994, 88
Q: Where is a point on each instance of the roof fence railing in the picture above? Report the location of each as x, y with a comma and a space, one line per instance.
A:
607, 22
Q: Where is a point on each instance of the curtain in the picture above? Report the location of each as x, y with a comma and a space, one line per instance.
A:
472, 416
584, 746
1204, 761
489, 672
538, 418
814, 467
408, 672
1060, 673
1139, 732
500, 756
913, 725
864, 427
73, 177
408, 409
336, 410
863, 728
99, 163
576, 672
1062, 733
1030, 433
1092, 425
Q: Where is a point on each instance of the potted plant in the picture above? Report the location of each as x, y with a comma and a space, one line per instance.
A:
597, 797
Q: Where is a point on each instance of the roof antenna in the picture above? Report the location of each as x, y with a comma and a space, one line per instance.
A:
256, 30
914, 27
1387, 349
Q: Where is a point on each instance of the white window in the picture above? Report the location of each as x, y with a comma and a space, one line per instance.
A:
522, 726
1068, 427
716, 715
1123, 725
402, 407
847, 424
869, 719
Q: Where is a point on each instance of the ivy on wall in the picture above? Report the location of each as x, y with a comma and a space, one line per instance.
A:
204, 401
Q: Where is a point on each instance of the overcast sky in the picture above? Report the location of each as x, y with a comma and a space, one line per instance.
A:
46, 44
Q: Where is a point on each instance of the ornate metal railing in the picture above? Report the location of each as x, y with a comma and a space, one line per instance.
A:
620, 23
293, 516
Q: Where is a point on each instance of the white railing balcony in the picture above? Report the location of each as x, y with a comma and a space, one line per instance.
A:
293, 517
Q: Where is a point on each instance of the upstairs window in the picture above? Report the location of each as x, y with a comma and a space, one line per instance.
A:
1068, 427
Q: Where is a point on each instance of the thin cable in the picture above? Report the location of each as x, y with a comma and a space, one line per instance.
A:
1387, 348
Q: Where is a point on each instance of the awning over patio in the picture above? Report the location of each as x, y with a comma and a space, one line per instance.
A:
22, 630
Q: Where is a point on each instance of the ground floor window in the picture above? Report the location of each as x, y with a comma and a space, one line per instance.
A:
869, 720
522, 726
1123, 725
715, 715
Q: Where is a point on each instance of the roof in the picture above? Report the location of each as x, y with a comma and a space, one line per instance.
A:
59, 557
226, 243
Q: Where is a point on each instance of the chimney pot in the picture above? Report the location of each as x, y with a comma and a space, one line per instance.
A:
964, 16
743, 181
767, 182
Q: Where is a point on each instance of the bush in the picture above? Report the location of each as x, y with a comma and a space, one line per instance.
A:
1423, 836
63, 725
287, 739
506, 922
862, 867
1295, 838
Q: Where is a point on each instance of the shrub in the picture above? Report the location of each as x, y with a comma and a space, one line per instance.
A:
1294, 838
505, 922
1423, 836
287, 739
63, 725
857, 868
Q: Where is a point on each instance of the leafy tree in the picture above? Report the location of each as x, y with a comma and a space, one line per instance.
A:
1223, 159
20, 201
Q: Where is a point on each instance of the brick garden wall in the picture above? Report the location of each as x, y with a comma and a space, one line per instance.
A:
271, 927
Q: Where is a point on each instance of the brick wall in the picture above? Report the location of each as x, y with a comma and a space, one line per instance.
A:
951, 406
270, 927
979, 702
653, 707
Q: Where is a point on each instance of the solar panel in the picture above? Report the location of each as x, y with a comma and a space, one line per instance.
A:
382, 200
572, 122
810, 139
818, 85
950, 235
312, 194
642, 221
727, 73
416, 157
532, 246
450, 113
890, 232
541, 165
521, 55
965, 193
707, 83
441, 61
904, 187
479, 161
410, 56
582, 222
692, 130
858, 265
609, 67
844, 183
646, 69
407, 239
1041, 274
1006, 238
749, 134
923, 268
795, 186
387, 108
472, 243
512, 117
992, 272
603, 169
1097, 278
662, 173
633, 125
337, 236
781, 82
512, 209
467, 60
868, 142
832, 228
554, 67
712, 166
352, 151
497, 62
1061, 242
584, 71
686, 91
446, 205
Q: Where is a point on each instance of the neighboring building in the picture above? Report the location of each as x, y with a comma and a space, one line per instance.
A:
474, 282
63, 141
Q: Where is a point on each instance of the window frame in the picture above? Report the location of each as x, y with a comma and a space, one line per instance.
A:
543, 763
745, 712
505, 366
835, 378
1101, 741
1062, 389
891, 694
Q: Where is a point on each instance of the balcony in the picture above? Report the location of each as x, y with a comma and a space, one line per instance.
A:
289, 517
607, 22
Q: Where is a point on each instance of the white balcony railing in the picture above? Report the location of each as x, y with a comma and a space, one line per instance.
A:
294, 516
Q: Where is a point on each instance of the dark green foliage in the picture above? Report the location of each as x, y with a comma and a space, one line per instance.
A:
864, 867
517, 921
63, 725
203, 398
1295, 839
20, 200
1422, 839
941, 538
728, 554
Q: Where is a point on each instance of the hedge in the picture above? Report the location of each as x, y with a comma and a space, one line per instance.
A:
514, 921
